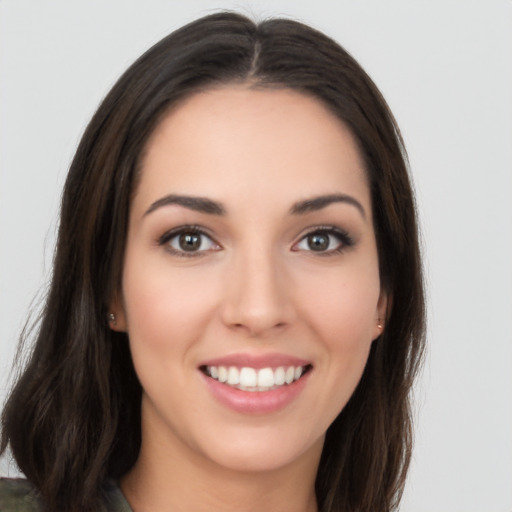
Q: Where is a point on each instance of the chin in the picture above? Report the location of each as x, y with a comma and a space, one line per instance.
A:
247, 454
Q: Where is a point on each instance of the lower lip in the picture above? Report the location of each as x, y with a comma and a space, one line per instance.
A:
256, 402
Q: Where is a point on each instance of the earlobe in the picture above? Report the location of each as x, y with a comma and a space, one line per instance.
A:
378, 330
116, 317
382, 313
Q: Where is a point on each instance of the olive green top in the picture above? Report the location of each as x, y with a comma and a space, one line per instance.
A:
19, 495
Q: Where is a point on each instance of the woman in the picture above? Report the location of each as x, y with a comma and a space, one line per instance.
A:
236, 311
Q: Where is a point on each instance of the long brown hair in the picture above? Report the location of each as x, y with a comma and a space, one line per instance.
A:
73, 418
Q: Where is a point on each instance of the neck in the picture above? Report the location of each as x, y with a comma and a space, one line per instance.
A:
217, 491
168, 477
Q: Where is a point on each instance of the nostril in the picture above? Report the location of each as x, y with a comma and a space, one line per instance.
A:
257, 329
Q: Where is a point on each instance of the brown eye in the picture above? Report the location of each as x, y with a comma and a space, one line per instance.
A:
189, 241
318, 241
325, 241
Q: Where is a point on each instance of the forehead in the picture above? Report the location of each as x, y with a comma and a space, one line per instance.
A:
239, 142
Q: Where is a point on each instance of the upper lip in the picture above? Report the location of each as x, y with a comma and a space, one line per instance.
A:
272, 360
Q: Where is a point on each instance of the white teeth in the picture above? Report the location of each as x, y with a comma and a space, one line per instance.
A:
279, 376
223, 373
266, 378
250, 379
233, 376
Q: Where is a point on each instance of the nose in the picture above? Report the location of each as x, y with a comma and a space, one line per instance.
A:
257, 295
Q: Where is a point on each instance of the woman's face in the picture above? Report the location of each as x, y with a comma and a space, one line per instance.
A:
250, 290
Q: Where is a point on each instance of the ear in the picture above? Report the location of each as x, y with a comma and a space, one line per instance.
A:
382, 313
116, 315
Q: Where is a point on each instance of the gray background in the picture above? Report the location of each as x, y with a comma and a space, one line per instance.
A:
445, 67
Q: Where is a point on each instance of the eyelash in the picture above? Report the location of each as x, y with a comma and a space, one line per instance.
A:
345, 240
188, 229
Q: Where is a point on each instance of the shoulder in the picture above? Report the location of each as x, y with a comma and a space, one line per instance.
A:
115, 500
18, 495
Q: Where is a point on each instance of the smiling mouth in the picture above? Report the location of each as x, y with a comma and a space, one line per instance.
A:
252, 379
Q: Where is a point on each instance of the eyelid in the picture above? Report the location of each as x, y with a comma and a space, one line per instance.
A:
346, 241
164, 240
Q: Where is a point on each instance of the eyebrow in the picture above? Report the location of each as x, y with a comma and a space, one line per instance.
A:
208, 206
198, 204
317, 203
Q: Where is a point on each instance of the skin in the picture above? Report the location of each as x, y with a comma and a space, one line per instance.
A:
254, 287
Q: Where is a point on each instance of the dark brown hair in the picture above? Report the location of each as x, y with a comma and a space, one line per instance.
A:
73, 418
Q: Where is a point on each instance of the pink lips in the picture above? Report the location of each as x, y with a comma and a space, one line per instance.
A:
254, 361
256, 402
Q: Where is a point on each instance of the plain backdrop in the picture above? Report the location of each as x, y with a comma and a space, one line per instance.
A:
444, 66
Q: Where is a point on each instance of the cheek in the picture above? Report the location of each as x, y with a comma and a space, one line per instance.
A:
344, 307
343, 317
165, 308
165, 314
